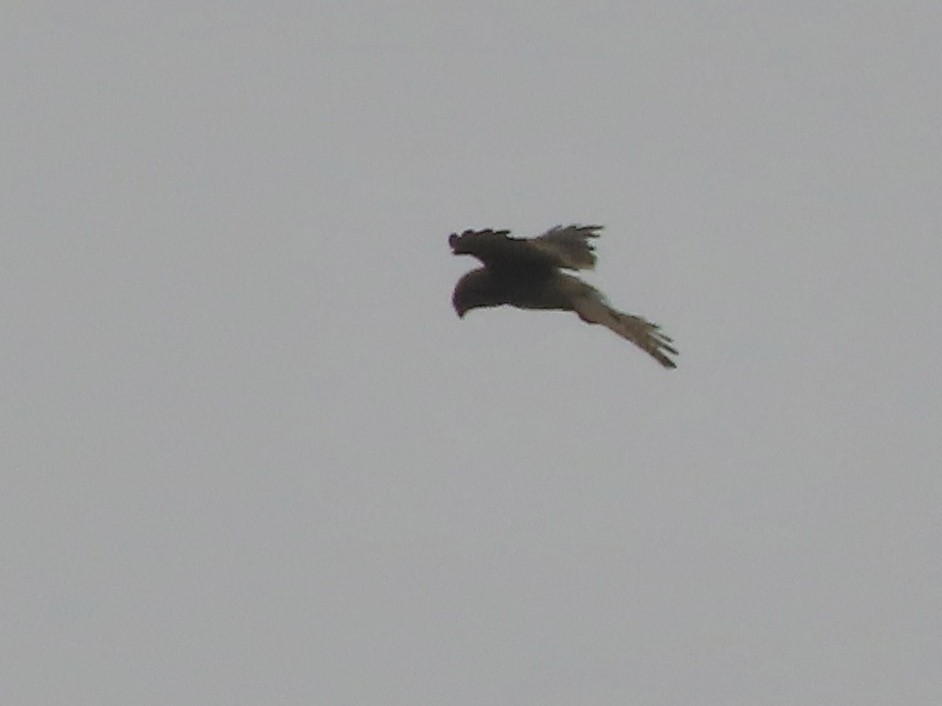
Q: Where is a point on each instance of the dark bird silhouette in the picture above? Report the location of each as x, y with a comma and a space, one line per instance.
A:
527, 273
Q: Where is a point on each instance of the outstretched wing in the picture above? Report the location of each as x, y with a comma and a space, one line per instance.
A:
567, 247
644, 334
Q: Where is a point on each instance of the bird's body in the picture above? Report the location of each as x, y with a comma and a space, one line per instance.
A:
524, 289
526, 273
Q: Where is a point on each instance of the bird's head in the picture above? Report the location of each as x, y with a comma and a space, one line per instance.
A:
460, 308
473, 291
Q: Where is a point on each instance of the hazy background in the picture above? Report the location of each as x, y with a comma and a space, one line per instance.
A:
250, 455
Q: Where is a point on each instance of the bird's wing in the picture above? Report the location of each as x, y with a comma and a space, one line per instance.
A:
641, 332
559, 247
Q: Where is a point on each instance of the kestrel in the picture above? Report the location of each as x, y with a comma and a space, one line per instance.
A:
527, 273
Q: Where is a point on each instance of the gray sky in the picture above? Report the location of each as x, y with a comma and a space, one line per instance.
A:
252, 456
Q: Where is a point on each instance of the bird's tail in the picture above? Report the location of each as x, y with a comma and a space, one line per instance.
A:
644, 334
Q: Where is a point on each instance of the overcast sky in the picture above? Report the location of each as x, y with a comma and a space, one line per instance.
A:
251, 456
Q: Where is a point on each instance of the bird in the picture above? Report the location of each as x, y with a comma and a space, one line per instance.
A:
527, 273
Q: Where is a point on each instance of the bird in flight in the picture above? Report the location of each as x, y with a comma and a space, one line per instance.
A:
527, 273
